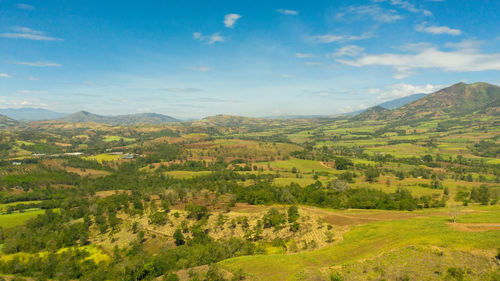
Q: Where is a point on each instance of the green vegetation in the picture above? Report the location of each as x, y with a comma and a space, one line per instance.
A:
405, 194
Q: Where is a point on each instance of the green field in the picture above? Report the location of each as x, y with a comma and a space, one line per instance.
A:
15, 219
368, 240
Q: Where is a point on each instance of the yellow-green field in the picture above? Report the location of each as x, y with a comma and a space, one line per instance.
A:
15, 219
371, 239
103, 157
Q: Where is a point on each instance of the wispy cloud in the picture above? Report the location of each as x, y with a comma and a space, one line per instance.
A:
403, 90
39, 63
330, 38
286, 76
373, 12
5, 75
182, 90
408, 6
347, 51
304, 55
287, 12
29, 34
437, 29
210, 39
231, 19
25, 7
30, 92
199, 68
459, 60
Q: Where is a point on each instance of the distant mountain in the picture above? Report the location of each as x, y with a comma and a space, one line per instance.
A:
129, 119
392, 104
290, 117
458, 99
232, 121
6, 122
397, 103
30, 114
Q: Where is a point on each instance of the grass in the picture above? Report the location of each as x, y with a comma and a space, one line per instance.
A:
117, 138
304, 166
15, 219
103, 157
186, 174
95, 254
369, 240
3, 207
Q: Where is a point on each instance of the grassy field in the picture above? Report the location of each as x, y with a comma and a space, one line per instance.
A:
186, 174
15, 219
103, 157
117, 138
368, 240
303, 166
95, 254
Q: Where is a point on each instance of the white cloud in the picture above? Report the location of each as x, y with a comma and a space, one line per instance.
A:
460, 60
199, 68
32, 78
29, 34
25, 7
404, 90
465, 45
231, 19
374, 12
5, 75
304, 55
39, 63
312, 63
437, 29
286, 75
348, 51
330, 38
287, 12
410, 7
210, 39
29, 92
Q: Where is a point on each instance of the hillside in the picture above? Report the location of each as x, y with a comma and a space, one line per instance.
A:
129, 119
456, 100
29, 113
392, 104
7, 122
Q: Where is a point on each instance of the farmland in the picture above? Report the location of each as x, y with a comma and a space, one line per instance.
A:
342, 198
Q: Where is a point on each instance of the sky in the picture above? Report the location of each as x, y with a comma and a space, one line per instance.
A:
191, 59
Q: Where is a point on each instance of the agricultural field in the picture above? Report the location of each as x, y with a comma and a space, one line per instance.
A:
368, 197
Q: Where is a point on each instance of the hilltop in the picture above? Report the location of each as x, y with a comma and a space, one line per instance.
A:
129, 119
457, 100
7, 122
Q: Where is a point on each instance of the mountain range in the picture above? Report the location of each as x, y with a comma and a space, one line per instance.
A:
129, 119
457, 99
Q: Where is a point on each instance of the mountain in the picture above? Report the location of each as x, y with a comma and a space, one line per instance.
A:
130, 119
393, 104
6, 122
29, 113
458, 99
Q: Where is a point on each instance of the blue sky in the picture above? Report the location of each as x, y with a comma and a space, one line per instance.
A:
191, 59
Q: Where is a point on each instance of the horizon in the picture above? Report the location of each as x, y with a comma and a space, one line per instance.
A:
256, 59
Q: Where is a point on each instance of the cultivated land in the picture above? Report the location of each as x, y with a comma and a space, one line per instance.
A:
404, 194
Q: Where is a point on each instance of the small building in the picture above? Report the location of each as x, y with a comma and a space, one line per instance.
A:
128, 156
73, 153
16, 163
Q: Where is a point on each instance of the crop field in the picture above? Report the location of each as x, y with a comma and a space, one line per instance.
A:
15, 219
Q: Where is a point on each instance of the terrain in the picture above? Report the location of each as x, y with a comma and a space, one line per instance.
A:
402, 192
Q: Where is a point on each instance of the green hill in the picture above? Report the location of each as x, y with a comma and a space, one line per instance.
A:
7, 122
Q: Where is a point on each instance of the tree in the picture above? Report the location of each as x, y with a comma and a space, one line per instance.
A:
273, 218
293, 214
371, 175
170, 277
342, 163
196, 211
179, 237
